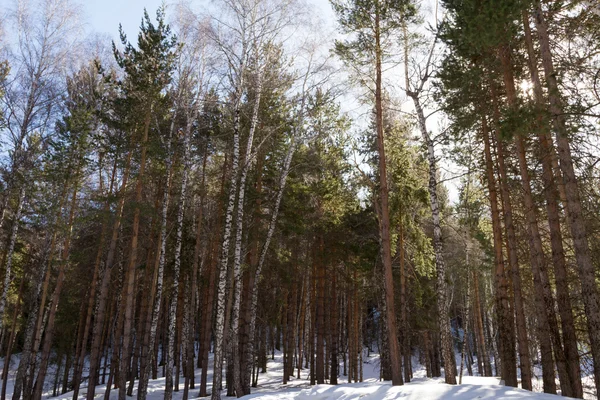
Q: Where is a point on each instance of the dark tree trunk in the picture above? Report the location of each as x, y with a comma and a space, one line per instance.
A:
503, 306
552, 196
384, 218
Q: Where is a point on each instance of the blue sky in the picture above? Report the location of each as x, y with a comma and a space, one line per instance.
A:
104, 16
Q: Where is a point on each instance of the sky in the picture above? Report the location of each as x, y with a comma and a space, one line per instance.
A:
104, 16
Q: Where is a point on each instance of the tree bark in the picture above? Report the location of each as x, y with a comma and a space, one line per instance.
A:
96, 350
158, 296
11, 341
585, 265
26, 351
403, 304
212, 276
237, 257
10, 251
80, 358
263, 255
196, 272
224, 261
466, 314
247, 360
482, 355
503, 306
551, 193
513, 261
547, 326
177, 266
334, 334
384, 218
49, 335
132, 265
441, 284
320, 311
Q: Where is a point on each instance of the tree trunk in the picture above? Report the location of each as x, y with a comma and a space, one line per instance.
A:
158, 296
585, 265
334, 334
9, 253
511, 245
177, 266
547, 326
313, 317
212, 272
441, 284
503, 306
115, 364
552, 196
263, 254
95, 350
320, 311
131, 268
482, 356
466, 314
49, 335
196, 271
65, 382
11, 341
80, 358
302, 322
237, 257
384, 219
149, 289
403, 304
247, 360
26, 351
207, 325
178, 341
224, 261
356, 329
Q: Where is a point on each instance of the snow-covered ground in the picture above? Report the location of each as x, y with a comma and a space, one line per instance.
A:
271, 388
420, 389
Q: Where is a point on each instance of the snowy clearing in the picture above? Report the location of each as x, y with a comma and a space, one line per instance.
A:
475, 388
271, 388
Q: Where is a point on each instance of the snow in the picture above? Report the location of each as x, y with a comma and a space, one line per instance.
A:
271, 388
476, 388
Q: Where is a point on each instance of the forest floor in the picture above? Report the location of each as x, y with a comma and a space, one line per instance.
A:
271, 388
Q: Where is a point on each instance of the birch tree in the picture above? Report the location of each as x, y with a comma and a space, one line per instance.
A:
417, 76
40, 57
250, 31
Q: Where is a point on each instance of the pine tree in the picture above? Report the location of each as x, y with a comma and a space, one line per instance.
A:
375, 22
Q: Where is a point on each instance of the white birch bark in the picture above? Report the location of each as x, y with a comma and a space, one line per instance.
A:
30, 326
222, 270
249, 362
272, 224
442, 291
237, 258
24, 362
260, 22
175, 292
